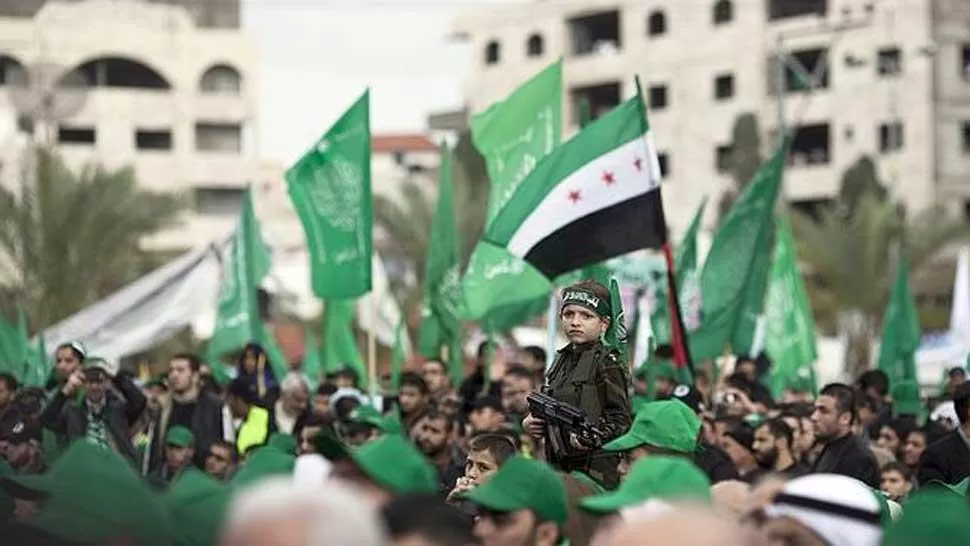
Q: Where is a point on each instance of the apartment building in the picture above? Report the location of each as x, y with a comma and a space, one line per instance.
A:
167, 89
889, 79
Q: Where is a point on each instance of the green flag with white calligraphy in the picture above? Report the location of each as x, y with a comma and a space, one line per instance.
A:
440, 321
237, 312
500, 289
330, 187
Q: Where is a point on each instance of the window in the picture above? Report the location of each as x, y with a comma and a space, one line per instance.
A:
723, 158
724, 86
658, 97
76, 135
804, 71
122, 72
889, 61
221, 79
811, 145
153, 140
8, 69
663, 159
601, 99
785, 9
219, 201
493, 53
534, 46
890, 136
218, 137
656, 23
966, 137
595, 32
723, 12
965, 62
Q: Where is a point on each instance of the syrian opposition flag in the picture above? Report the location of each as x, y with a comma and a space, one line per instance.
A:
593, 198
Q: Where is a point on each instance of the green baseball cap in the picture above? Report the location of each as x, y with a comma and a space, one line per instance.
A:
524, 484
179, 436
199, 504
931, 517
370, 416
668, 424
391, 461
264, 462
655, 477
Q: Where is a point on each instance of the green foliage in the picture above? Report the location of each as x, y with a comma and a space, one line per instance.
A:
73, 237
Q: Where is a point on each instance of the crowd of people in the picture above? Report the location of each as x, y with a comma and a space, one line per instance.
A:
101, 458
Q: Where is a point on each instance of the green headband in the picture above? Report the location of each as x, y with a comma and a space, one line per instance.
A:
587, 299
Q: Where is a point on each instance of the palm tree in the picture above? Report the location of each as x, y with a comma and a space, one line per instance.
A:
850, 248
408, 221
73, 238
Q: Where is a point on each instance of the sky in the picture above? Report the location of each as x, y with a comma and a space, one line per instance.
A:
318, 56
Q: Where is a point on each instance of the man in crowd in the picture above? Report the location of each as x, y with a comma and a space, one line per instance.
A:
413, 397
435, 375
222, 460
20, 442
252, 423
104, 415
432, 435
772, 447
517, 383
948, 459
8, 386
179, 452
294, 397
188, 406
843, 453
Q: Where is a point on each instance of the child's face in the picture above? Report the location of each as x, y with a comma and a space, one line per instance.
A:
895, 485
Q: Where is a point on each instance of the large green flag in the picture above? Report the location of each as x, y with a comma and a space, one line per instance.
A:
900, 331
501, 290
339, 345
790, 326
733, 281
440, 321
237, 312
330, 187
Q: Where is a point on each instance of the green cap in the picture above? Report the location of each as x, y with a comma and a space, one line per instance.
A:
198, 503
94, 494
524, 484
179, 436
370, 416
654, 477
668, 424
395, 464
264, 462
931, 517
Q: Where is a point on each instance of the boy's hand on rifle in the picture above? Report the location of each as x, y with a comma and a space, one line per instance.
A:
576, 443
534, 426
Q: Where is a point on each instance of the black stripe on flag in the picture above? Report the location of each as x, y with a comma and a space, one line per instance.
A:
627, 226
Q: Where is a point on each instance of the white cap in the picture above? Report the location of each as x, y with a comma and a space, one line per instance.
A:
311, 470
841, 510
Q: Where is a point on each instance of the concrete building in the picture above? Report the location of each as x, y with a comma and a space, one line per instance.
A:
889, 79
166, 89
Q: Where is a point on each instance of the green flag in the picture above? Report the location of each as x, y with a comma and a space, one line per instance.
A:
399, 355
330, 187
790, 326
274, 353
616, 333
9, 348
733, 281
339, 344
440, 322
900, 331
237, 312
501, 290
312, 366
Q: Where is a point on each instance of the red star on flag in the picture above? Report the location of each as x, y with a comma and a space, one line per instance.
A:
608, 178
638, 164
574, 195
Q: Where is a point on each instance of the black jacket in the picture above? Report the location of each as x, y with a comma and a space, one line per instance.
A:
849, 456
715, 463
68, 417
946, 460
206, 428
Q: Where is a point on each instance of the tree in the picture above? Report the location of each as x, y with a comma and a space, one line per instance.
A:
851, 248
745, 159
408, 221
74, 238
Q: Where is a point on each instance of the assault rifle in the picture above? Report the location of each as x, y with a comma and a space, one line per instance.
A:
562, 419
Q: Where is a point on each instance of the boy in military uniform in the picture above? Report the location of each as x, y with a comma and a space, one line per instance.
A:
591, 377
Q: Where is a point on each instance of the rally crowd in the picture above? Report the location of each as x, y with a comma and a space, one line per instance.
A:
100, 458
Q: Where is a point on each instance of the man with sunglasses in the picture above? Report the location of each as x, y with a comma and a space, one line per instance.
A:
104, 415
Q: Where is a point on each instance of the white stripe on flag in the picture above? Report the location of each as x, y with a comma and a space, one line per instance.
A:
617, 176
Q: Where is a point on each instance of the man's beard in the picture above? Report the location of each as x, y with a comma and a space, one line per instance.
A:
767, 460
430, 449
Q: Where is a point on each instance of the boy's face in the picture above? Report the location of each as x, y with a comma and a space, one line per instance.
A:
178, 457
